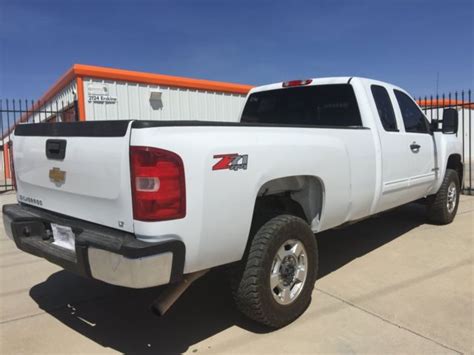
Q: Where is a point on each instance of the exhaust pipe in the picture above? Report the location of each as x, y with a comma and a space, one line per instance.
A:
171, 294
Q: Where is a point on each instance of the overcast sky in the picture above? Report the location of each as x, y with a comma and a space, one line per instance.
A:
405, 42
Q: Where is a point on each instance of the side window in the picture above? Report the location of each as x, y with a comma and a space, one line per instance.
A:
413, 118
384, 108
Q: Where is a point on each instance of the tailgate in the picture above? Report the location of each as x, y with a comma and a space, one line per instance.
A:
79, 169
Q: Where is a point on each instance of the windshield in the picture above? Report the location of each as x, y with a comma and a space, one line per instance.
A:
323, 105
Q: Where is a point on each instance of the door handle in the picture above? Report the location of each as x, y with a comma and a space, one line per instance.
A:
415, 148
56, 149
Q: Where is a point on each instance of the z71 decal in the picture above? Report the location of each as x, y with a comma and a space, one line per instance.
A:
231, 162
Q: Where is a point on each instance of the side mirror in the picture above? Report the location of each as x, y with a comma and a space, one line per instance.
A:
450, 120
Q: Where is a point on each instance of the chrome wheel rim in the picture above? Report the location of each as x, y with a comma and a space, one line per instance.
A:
452, 196
288, 272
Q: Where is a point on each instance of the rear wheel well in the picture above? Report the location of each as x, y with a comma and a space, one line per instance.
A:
455, 163
300, 196
273, 205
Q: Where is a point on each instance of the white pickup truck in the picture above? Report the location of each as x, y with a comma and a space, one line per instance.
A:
146, 203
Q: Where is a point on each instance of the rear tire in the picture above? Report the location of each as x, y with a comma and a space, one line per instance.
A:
277, 278
442, 206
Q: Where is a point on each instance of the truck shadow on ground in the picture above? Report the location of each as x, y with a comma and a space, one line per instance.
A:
121, 319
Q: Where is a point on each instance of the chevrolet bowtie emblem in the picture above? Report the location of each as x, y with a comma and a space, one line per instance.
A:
57, 176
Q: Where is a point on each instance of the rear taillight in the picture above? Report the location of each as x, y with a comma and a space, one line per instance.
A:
291, 83
158, 186
12, 165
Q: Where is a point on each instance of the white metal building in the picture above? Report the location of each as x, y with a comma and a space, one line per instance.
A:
97, 93
87, 92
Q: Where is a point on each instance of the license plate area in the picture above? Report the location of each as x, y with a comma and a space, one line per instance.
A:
63, 237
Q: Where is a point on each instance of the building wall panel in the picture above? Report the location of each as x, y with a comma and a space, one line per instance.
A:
125, 100
62, 99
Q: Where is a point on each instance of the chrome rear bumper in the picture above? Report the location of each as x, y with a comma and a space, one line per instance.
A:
101, 253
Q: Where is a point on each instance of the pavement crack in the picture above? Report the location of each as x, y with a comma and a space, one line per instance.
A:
21, 263
6, 321
387, 320
49, 310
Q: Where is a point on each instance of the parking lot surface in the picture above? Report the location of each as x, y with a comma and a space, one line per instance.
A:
390, 284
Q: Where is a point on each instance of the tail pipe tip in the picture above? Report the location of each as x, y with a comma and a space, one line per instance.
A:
171, 294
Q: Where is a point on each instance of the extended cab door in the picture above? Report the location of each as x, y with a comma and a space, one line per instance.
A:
419, 143
407, 148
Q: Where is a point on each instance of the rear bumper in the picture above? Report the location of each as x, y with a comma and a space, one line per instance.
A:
101, 253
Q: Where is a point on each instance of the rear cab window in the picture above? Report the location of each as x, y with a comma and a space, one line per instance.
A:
384, 108
332, 105
413, 119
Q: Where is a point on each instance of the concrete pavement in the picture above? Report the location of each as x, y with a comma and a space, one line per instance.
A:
390, 284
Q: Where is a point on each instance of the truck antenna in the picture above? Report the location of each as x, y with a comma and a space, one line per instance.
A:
437, 83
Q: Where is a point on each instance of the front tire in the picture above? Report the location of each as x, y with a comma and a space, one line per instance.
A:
275, 286
442, 207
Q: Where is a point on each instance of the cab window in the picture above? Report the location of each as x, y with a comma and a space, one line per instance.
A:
384, 108
413, 119
319, 105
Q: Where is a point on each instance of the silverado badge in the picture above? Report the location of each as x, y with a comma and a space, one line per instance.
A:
57, 176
